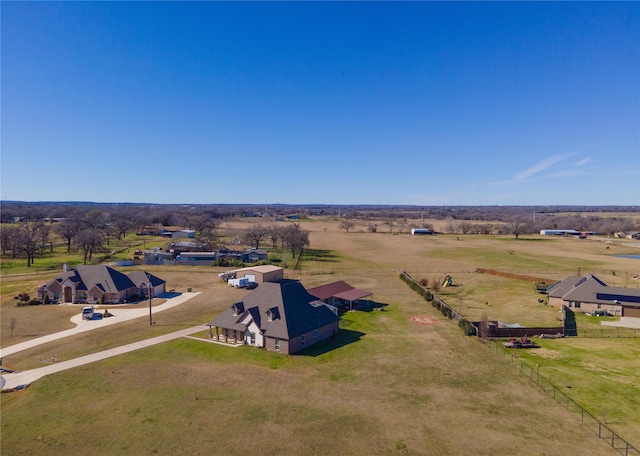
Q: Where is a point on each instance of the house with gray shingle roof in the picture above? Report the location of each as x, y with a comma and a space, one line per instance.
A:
100, 284
589, 294
279, 316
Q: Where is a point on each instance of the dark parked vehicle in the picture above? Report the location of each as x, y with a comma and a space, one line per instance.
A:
251, 285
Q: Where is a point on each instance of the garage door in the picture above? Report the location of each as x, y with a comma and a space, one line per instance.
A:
631, 312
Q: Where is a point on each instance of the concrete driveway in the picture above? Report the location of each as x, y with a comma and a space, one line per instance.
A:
11, 380
26, 377
119, 315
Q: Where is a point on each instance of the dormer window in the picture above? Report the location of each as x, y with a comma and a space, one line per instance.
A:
273, 314
237, 309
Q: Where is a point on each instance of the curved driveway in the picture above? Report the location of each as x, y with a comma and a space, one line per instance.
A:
24, 378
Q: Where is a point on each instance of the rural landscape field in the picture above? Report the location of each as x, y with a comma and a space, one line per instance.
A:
403, 380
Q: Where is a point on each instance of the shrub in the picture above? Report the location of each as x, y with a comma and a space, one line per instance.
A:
467, 328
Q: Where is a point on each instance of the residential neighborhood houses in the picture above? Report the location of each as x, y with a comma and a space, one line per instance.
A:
589, 294
100, 284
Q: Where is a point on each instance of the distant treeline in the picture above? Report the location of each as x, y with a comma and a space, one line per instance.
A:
517, 220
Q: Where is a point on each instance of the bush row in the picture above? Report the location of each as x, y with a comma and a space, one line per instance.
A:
406, 278
464, 324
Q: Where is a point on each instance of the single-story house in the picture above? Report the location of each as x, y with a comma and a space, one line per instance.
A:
279, 316
99, 284
589, 294
341, 294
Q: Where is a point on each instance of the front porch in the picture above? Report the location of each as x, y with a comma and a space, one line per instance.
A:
227, 336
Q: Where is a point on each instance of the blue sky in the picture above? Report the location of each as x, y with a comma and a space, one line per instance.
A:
443, 103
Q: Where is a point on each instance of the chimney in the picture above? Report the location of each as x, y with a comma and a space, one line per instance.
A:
65, 267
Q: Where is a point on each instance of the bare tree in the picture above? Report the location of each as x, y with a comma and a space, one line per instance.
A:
295, 238
372, 228
275, 236
29, 240
347, 225
517, 227
209, 238
9, 239
255, 235
67, 229
12, 324
89, 240
390, 224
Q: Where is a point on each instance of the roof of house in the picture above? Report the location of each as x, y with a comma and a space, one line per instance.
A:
340, 289
140, 277
107, 279
263, 269
590, 289
281, 310
354, 294
331, 289
564, 286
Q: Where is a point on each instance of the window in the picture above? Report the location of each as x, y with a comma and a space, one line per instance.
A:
253, 338
56, 295
577, 304
277, 344
599, 306
315, 333
302, 341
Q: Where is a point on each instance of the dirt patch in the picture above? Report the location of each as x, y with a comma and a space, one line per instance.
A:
423, 320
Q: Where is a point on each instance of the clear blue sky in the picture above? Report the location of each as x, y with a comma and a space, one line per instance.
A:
446, 103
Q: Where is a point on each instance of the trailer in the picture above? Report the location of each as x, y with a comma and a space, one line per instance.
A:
238, 283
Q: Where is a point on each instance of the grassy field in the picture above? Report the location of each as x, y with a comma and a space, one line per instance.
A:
385, 386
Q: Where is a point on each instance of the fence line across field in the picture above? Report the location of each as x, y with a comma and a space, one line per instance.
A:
591, 422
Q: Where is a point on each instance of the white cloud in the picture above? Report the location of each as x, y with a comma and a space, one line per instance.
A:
539, 167
582, 162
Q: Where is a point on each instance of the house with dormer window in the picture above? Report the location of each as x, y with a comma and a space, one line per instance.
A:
278, 316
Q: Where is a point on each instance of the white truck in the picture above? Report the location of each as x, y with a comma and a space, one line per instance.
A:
87, 313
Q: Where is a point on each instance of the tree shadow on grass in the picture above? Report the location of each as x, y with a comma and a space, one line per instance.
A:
344, 337
320, 255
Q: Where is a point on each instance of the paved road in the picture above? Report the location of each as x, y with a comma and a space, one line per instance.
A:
25, 378
119, 315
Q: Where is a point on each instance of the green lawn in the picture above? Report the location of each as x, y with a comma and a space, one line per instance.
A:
384, 386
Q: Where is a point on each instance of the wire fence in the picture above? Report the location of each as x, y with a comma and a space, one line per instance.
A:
591, 422
611, 332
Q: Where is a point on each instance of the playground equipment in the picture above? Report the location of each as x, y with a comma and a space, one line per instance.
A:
448, 281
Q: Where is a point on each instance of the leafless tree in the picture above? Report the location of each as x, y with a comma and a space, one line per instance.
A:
372, 228
295, 238
347, 225
89, 240
29, 240
67, 229
390, 224
275, 236
209, 238
12, 324
255, 235
9, 238
517, 227
452, 227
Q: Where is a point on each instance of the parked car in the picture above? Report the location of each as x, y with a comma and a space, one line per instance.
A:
251, 285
